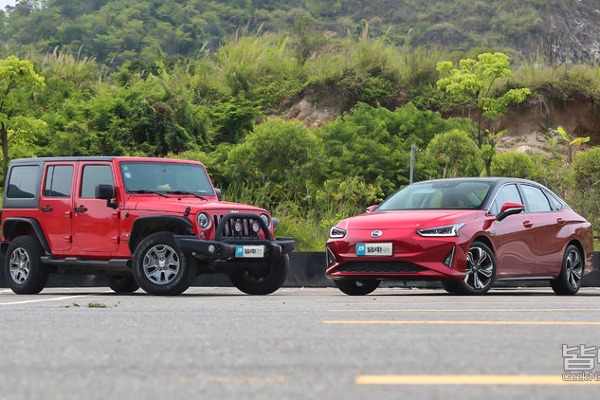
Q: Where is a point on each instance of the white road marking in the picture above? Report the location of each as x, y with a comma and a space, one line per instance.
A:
42, 300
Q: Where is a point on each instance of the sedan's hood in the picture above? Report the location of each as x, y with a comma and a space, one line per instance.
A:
413, 219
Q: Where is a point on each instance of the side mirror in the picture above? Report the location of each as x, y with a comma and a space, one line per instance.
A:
372, 208
218, 193
509, 208
106, 192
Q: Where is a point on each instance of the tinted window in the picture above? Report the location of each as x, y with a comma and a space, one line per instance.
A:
507, 194
450, 194
58, 181
94, 175
555, 203
22, 182
536, 199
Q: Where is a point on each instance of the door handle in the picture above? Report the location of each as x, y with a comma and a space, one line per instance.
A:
560, 221
80, 209
45, 209
527, 224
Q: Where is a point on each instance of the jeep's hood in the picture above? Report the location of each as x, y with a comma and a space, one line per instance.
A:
178, 204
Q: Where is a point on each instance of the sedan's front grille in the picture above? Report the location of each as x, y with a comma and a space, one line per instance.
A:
380, 267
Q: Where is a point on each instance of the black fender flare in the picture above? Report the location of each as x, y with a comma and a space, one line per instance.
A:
145, 225
10, 224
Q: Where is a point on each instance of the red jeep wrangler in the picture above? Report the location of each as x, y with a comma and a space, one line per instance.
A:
144, 222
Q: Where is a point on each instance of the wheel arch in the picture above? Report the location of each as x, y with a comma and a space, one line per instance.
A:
485, 240
14, 227
147, 225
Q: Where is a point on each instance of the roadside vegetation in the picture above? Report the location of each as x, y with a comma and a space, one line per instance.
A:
231, 107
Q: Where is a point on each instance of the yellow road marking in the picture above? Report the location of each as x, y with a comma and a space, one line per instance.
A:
468, 380
433, 322
465, 310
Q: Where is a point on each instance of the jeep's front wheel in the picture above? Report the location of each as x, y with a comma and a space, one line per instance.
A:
160, 267
263, 281
23, 268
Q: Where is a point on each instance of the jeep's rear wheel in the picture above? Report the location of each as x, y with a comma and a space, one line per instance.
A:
23, 268
160, 267
264, 281
122, 283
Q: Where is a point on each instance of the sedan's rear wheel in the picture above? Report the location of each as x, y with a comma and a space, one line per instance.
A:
480, 272
569, 281
356, 287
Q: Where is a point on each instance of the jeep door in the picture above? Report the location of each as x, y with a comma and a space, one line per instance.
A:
56, 205
95, 225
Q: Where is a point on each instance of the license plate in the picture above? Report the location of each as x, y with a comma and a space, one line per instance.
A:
249, 251
374, 249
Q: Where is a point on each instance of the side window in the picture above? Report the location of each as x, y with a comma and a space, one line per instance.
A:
536, 199
94, 175
22, 182
506, 194
554, 202
58, 181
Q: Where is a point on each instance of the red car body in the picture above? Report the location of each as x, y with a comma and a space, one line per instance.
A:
527, 239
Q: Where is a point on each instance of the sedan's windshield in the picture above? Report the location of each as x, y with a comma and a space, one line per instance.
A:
442, 195
163, 177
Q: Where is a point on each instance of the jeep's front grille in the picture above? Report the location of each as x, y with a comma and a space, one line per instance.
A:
229, 232
380, 267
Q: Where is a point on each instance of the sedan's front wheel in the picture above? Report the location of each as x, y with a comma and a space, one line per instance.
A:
356, 287
569, 280
480, 272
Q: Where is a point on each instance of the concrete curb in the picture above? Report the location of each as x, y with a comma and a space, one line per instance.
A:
306, 270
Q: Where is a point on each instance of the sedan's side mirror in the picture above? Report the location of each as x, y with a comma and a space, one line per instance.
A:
106, 192
509, 208
372, 208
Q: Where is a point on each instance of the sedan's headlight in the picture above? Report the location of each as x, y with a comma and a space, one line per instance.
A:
203, 220
337, 233
448, 230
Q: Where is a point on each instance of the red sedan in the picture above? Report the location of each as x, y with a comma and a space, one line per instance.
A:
467, 233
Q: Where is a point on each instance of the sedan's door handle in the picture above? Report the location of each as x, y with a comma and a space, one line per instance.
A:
560, 221
527, 224
45, 209
80, 209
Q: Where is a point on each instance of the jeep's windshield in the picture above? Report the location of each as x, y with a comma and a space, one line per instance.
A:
165, 177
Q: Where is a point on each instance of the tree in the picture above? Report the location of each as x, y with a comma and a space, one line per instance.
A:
513, 164
579, 141
475, 85
455, 154
17, 80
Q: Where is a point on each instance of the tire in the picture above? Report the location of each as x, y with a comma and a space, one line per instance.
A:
160, 267
569, 281
356, 287
23, 268
122, 283
480, 272
262, 282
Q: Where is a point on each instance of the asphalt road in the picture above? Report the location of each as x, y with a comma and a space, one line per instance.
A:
216, 343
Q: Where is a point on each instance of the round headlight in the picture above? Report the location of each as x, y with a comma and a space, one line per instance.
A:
237, 227
203, 221
266, 219
255, 227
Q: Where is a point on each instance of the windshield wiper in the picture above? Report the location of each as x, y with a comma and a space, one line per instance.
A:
143, 191
184, 192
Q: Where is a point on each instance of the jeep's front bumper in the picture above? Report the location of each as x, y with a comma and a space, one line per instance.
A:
226, 249
230, 245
